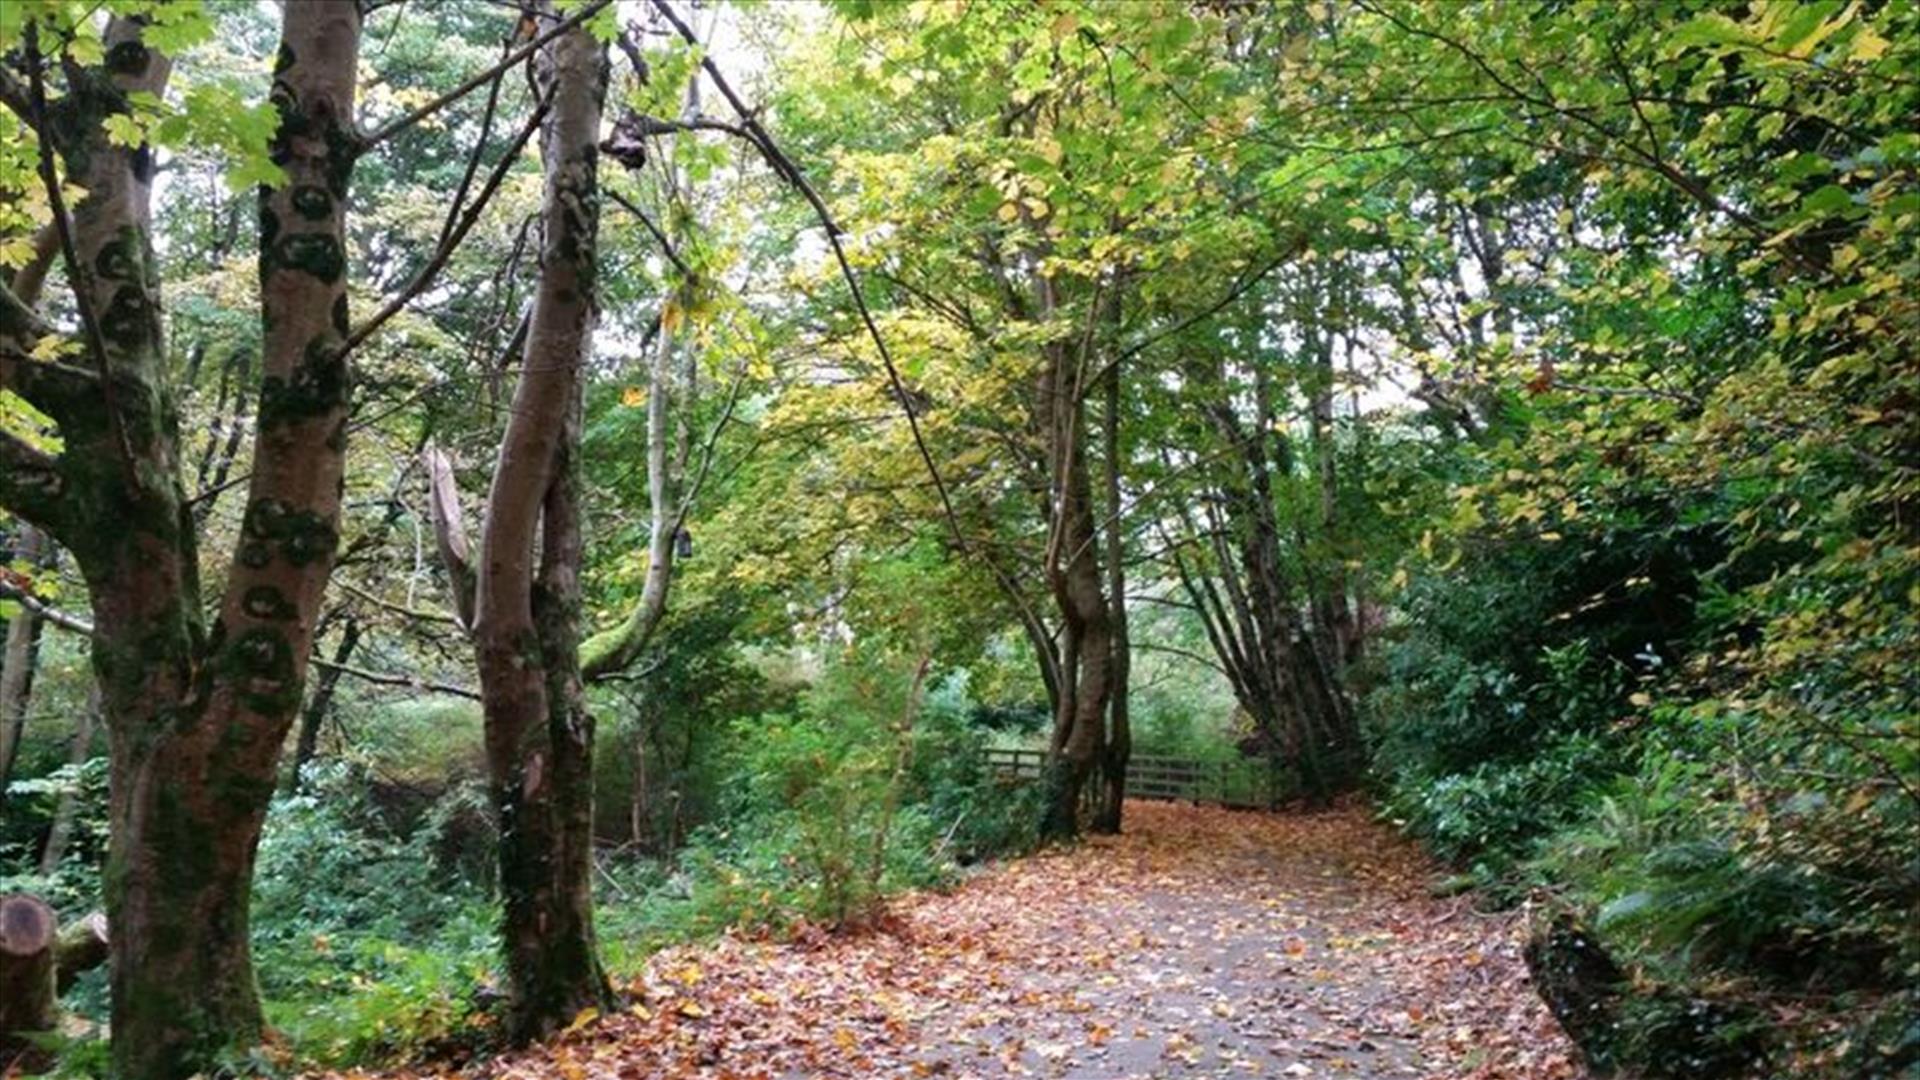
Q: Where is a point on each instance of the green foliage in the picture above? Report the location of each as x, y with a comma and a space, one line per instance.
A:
369, 949
828, 820
73, 889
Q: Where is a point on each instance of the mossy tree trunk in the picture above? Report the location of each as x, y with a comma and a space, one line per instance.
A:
1118, 748
195, 714
1073, 575
539, 735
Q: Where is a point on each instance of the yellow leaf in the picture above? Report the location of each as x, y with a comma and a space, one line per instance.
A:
1009, 211
633, 397
1867, 46
691, 1010
581, 1019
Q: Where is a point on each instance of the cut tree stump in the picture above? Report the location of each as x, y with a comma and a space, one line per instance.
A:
27, 999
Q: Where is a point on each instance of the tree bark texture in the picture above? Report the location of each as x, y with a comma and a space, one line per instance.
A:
1073, 576
527, 607
195, 714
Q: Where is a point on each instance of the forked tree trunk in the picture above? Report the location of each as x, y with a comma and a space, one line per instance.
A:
1248, 605
527, 616
1073, 574
195, 715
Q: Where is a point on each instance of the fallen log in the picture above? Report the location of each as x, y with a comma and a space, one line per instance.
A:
81, 947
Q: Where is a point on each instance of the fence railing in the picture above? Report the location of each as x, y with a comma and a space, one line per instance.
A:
1246, 783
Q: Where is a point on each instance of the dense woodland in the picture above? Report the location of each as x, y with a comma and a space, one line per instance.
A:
492, 488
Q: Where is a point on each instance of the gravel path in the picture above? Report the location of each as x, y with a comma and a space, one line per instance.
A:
1203, 943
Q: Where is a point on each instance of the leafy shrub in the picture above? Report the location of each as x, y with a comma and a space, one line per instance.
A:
367, 946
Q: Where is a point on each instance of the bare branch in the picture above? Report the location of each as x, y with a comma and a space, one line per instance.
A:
383, 678
450, 241
395, 127
666, 246
65, 620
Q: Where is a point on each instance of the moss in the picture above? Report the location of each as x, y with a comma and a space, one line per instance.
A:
341, 323
120, 259
310, 542
255, 554
269, 230
259, 664
318, 386
311, 202
128, 321
128, 59
343, 149
175, 830
302, 535
266, 518
317, 254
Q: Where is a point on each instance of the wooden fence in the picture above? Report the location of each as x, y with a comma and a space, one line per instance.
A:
1247, 783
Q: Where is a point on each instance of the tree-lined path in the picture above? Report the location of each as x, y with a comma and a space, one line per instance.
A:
1203, 943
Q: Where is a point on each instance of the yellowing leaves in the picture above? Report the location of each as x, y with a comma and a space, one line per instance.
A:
1867, 46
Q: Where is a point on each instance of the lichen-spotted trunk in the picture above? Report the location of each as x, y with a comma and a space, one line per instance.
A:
195, 714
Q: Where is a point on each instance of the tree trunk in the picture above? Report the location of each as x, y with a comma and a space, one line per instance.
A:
27, 1001
307, 744
17, 664
526, 626
78, 751
615, 650
1119, 740
195, 715
1248, 605
1073, 573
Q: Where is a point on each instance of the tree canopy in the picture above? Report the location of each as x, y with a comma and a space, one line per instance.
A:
1503, 413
